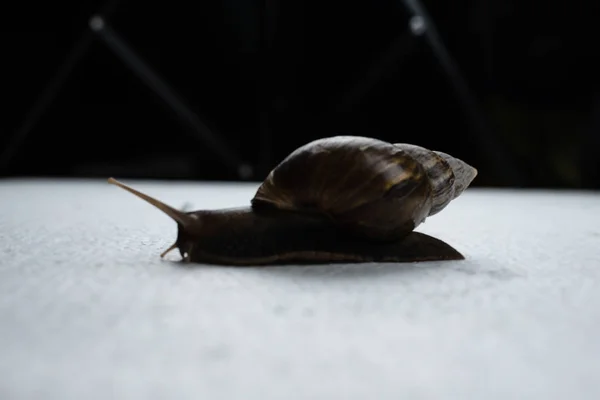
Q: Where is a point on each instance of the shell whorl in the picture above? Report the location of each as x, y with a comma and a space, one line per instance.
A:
448, 175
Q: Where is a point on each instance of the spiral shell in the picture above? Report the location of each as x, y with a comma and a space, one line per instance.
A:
370, 187
448, 176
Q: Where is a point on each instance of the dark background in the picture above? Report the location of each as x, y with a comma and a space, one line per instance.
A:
269, 76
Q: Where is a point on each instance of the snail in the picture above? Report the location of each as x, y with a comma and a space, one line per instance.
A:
345, 199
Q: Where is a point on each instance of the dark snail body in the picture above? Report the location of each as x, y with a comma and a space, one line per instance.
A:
246, 236
338, 199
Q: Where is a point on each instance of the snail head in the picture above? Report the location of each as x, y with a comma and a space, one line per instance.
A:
186, 221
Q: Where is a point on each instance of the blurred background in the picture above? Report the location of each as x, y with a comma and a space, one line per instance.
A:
223, 90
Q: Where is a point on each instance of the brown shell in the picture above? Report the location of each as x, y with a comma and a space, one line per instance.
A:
440, 174
366, 185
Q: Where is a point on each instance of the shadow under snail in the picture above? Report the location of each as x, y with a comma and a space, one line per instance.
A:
339, 199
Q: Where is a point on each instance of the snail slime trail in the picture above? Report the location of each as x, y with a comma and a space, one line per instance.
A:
364, 212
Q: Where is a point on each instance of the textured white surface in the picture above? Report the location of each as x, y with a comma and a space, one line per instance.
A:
88, 309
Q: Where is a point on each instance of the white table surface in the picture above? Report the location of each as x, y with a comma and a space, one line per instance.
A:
88, 310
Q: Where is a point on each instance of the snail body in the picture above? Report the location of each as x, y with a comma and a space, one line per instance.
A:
337, 199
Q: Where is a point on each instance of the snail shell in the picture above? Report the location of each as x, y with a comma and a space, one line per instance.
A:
373, 188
